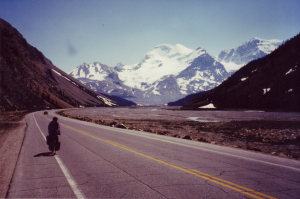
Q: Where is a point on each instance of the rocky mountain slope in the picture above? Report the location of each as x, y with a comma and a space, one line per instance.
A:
30, 81
167, 73
234, 58
105, 80
271, 83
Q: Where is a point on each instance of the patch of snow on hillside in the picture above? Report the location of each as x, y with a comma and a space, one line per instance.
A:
154, 91
211, 105
219, 72
266, 90
81, 73
56, 72
75, 84
106, 101
182, 85
290, 71
231, 66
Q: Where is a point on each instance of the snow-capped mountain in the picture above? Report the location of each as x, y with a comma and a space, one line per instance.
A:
167, 73
202, 74
103, 79
234, 58
170, 72
93, 71
193, 70
162, 61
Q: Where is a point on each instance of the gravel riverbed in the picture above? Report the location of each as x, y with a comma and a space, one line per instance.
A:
275, 133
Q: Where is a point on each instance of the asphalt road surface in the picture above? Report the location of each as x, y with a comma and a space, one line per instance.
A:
105, 162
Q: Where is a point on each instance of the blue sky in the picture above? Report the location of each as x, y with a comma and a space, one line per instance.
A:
70, 32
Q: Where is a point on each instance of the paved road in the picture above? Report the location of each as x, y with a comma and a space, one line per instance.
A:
104, 162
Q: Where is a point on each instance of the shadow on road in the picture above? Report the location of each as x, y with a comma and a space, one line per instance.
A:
43, 154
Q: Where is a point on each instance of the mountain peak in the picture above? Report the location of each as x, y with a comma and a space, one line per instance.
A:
119, 66
252, 49
164, 46
169, 49
94, 70
178, 48
255, 38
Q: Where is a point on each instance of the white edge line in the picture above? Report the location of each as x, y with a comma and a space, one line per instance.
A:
130, 133
66, 172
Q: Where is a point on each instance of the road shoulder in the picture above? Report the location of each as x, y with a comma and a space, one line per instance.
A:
10, 145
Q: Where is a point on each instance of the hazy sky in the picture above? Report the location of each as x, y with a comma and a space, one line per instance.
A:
70, 32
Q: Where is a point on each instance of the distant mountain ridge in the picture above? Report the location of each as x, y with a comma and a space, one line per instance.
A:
103, 79
268, 83
234, 58
167, 73
170, 72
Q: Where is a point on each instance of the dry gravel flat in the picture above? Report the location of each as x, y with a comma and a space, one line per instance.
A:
276, 133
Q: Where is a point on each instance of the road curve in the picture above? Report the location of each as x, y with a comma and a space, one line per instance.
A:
104, 162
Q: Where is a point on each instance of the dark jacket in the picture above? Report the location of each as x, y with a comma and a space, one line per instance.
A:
54, 128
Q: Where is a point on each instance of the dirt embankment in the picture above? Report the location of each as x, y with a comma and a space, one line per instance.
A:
12, 131
272, 136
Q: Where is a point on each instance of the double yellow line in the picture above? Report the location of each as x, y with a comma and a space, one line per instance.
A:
225, 183
236, 187
107, 141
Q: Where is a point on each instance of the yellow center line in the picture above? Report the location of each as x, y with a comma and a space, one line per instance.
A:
236, 185
107, 141
200, 174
